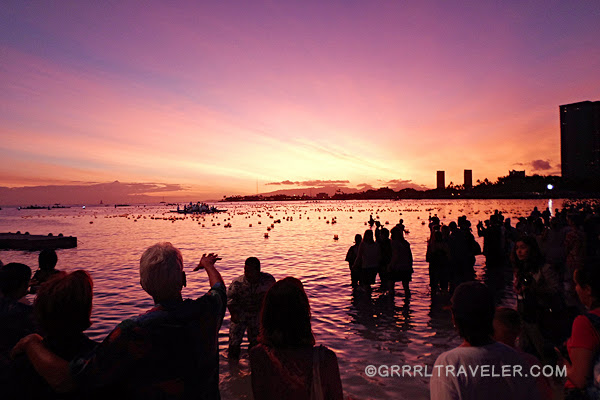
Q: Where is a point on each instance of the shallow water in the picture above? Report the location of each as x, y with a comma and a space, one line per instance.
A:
362, 330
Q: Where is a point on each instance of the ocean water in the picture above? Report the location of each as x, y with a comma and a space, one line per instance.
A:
362, 330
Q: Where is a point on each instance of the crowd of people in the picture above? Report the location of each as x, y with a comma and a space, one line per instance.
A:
554, 258
172, 351
451, 251
169, 352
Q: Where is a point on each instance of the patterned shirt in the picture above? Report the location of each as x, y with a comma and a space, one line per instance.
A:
171, 351
245, 297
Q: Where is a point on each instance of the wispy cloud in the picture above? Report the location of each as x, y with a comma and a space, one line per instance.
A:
316, 182
178, 94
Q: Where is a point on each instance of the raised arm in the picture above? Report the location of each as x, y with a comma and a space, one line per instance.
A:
207, 262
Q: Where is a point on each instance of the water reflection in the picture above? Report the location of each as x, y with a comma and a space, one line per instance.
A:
362, 328
380, 317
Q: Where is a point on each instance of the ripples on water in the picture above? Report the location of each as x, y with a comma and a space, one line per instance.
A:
361, 330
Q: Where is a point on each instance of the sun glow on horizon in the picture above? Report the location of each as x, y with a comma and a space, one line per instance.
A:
204, 97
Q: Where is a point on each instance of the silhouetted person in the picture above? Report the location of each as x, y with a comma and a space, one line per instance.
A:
16, 318
367, 260
244, 300
385, 249
472, 247
546, 214
461, 255
47, 262
438, 257
287, 364
400, 267
510, 236
351, 258
493, 242
535, 214
400, 224
433, 222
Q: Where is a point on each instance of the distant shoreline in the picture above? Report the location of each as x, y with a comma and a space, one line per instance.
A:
420, 196
424, 195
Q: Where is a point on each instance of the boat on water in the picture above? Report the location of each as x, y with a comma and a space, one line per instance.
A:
211, 211
198, 208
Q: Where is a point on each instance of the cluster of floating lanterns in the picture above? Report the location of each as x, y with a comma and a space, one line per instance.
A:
272, 212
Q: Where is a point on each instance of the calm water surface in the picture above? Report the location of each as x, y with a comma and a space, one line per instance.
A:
362, 330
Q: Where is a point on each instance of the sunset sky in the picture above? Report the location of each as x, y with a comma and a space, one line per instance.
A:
200, 99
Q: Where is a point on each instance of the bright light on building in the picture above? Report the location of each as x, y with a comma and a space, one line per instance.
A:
550, 186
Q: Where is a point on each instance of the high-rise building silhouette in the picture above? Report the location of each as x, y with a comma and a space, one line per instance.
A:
580, 141
441, 180
468, 183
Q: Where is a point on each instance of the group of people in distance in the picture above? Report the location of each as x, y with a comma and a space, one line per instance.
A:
171, 351
375, 253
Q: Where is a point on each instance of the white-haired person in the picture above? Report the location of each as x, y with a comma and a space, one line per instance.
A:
171, 351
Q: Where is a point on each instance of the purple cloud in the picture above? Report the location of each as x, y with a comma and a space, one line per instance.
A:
541, 165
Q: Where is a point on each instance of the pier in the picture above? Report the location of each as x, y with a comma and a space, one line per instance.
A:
25, 241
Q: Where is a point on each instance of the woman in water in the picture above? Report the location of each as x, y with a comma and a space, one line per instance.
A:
287, 364
367, 260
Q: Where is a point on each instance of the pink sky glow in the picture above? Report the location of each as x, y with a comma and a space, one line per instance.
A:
207, 98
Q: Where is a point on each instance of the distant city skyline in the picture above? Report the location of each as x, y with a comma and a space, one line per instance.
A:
200, 100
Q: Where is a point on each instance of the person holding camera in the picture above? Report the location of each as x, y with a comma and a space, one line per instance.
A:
171, 351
